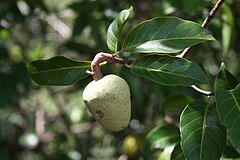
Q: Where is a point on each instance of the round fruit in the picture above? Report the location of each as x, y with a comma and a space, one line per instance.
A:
131, 145
108, 100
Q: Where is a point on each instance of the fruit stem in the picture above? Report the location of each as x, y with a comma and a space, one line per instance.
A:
99, 58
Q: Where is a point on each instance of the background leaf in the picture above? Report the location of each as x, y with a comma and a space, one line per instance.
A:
177, 153
175, 108
57, 71
115, 29
160, 137
167, 70
202, 135
227, 28
164, 35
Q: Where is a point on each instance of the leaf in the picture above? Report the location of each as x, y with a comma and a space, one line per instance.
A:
175, 108
160, 137
79, 24
164, 35
227, 28
177, 153
202, 135
225, 79
115, 29
228, 104
166, 153
230, 159
230, 151
168, 71
57, 71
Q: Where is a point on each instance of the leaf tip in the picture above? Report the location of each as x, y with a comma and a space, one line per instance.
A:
130, 8
30, 68
223, 65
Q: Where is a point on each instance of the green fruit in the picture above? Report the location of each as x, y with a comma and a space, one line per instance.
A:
108, 100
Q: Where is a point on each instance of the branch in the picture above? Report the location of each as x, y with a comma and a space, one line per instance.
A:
205, 24
99, 58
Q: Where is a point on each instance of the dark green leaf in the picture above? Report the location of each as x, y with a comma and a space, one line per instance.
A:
230, 152
80, 24
177, 153
57, 71
164, 35
225, 79
202, 135
175, 108
228, 106
167, 70
160, 137
227, 97
115, 29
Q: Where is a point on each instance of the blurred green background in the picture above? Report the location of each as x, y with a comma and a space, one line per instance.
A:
51, 122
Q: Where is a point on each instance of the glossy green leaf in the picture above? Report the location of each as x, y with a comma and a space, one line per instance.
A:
202, 135
177, 153
228, 104
115, 29
57, 71
164, 35
167, 70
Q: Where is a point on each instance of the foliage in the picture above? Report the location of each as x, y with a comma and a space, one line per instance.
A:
172, 120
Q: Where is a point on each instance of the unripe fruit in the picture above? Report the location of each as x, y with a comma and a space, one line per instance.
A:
108, 100
131, 145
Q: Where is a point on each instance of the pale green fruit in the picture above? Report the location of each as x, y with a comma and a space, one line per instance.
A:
108, 100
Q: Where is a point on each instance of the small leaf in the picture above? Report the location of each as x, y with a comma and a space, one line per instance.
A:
168, 71
177, 153
202, 135
164, 35
115, 29
57, 71
160, 137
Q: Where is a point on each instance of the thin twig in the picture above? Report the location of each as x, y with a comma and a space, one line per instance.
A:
205, 23
99, 58
212, 13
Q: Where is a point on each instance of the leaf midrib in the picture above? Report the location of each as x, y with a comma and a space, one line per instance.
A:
155, 70
203, 131
235, 100
162, 40
57, 69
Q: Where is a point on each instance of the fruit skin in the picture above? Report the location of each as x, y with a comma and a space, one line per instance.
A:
108, 100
